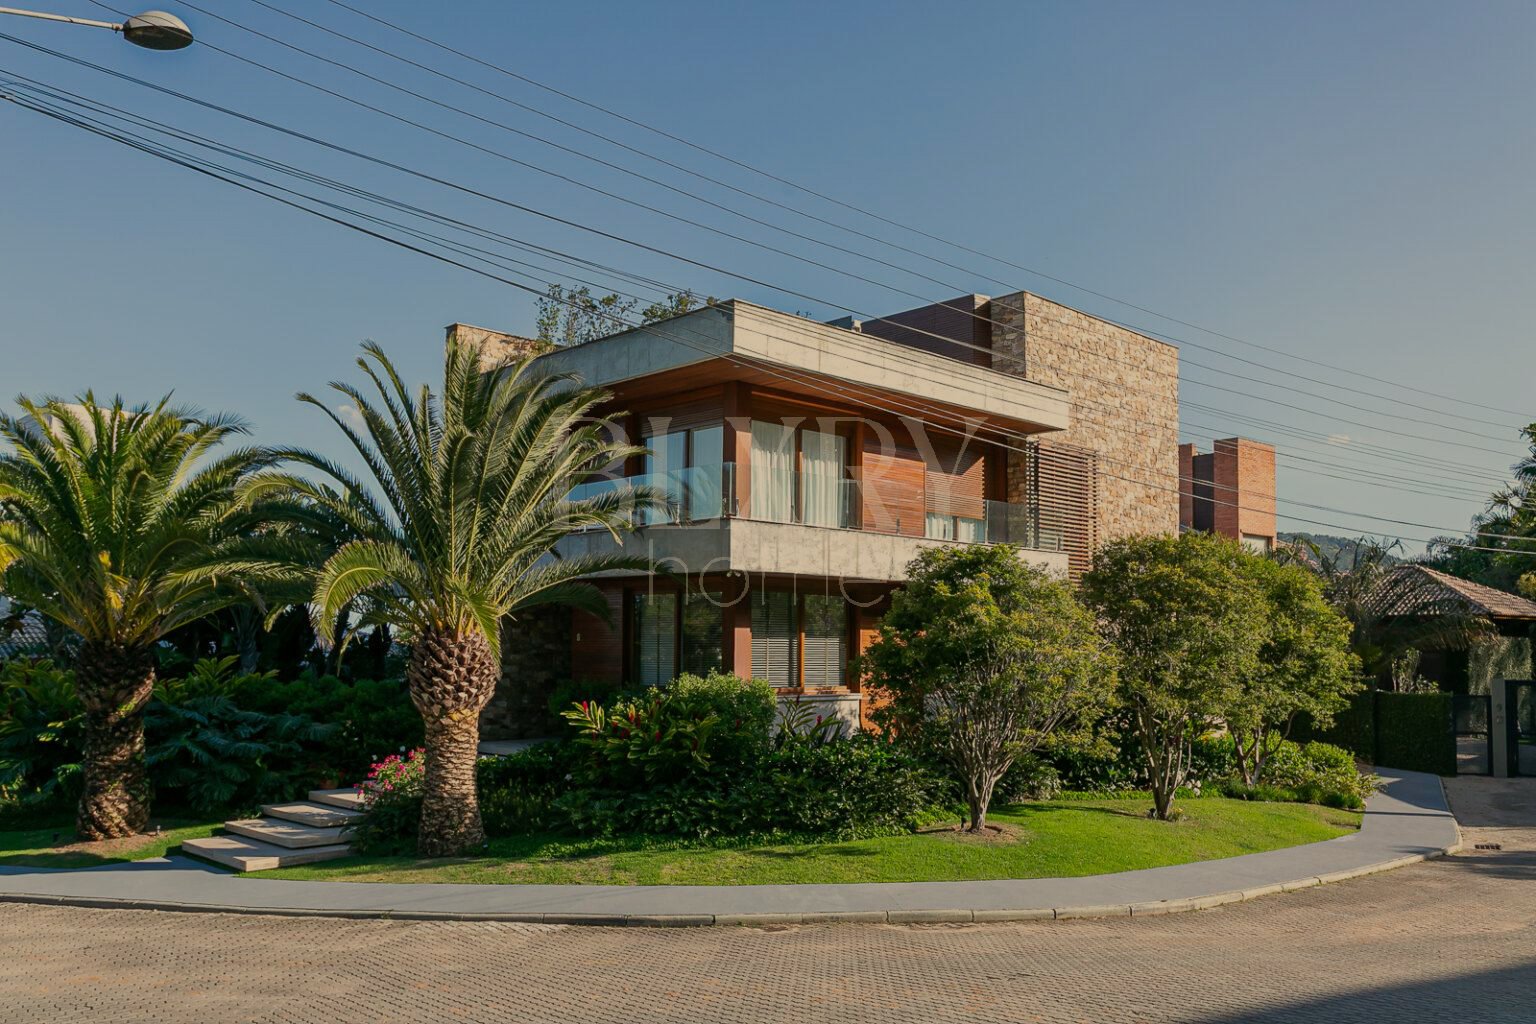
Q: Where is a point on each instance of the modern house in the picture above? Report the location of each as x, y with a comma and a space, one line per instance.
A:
1230, 491
809, 463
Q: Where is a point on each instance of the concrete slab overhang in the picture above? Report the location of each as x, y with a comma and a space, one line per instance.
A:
752, 546
737, 340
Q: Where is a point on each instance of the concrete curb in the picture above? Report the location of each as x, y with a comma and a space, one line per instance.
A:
765, 920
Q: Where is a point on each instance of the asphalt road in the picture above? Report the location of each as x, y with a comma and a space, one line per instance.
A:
1453, 939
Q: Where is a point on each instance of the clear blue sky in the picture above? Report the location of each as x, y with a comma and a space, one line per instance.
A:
1348, 182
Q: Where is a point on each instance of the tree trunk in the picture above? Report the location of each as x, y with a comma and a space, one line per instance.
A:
247, 637
114, 684
451, 677
977, 798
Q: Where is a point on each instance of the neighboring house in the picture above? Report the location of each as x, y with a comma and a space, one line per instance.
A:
811, 462
1418, 593
22, 633
1230, 491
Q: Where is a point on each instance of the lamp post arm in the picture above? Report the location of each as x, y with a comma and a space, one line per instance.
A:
114, 26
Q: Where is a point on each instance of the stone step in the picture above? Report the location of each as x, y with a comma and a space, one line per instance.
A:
288, 834
315, 815
253, 855
347, 799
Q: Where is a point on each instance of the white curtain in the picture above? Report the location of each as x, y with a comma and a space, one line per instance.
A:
773, 472
822, 479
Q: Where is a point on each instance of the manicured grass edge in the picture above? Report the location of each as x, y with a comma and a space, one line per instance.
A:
937, 916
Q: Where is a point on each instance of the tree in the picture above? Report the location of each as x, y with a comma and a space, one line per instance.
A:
468, 499
574, 316
122, 529
1186, 624
1305, 663
981, 659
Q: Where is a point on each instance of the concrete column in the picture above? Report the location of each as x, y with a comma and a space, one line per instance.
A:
1499, 710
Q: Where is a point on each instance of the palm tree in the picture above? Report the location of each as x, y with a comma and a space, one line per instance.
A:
470, 494
118, 523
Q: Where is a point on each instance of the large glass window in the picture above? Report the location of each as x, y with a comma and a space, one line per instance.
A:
703, 634
822, 487
826, 640
775, 637
773, 472
655, 638
687, 466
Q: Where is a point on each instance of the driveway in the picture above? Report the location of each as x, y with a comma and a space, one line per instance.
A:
1451, 939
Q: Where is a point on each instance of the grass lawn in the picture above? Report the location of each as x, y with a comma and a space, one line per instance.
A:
1056, 839
36, 847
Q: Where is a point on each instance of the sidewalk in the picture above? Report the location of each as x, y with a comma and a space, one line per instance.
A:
1407, 821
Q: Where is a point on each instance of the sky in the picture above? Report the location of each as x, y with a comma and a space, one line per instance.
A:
1347, 184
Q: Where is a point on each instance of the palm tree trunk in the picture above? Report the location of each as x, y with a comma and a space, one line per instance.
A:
451, 678
114, 684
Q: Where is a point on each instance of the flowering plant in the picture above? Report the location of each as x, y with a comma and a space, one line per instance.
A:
392, 804
395, 776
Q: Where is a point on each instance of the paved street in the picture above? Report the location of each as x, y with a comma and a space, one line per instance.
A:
1447, 940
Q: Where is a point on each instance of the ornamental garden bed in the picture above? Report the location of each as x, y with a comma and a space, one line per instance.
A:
1062, 838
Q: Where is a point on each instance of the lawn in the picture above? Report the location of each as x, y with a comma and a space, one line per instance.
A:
1056, 839
55, 846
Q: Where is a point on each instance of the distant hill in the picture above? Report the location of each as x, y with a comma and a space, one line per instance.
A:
1338, 549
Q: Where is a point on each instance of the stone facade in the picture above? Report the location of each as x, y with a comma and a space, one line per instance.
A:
1125, 405
535, 658
496, 347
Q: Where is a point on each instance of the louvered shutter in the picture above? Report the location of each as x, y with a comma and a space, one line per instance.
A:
826, 640
774, 638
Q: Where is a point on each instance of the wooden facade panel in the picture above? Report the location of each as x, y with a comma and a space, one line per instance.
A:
892, 483
957, 481
597, 648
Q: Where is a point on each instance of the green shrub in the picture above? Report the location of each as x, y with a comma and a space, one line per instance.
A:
1030, 777
212, 757
668, 735
859, 786
1414, 731
1353, 728
371, 718
1310, 773
42, 734
392, 803
518, 791
575, 691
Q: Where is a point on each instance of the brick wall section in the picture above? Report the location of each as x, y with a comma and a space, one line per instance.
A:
1243, 489
1186, 485
1125, 405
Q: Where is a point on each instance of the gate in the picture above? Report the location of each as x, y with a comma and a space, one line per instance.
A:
1521, 723
1473, 718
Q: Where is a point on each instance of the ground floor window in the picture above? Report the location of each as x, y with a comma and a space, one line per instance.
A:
799, 639
668, 636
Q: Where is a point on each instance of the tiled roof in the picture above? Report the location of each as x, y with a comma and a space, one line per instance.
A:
21, 634
1419, 590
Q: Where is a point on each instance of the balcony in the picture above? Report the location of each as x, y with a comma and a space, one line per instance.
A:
701, 495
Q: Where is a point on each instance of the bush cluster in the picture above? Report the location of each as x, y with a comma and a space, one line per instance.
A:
216, 742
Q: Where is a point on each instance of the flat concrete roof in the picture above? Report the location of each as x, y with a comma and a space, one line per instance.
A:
814, 355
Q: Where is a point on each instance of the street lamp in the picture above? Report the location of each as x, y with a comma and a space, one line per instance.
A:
153, 30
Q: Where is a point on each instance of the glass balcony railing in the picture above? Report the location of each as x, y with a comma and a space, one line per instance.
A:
703, 493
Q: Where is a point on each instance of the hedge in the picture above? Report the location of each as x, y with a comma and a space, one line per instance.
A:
1412, 731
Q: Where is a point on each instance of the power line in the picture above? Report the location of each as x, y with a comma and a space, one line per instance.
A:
720, 231
663, 133
416, 210
587, 228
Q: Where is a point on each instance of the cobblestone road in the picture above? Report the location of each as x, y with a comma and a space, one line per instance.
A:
1450, 940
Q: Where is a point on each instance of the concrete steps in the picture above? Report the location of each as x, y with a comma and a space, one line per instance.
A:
312, 814
286, 835
244, 854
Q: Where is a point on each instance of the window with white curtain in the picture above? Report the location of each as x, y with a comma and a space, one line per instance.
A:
655, 638
773, 472
938, 526
822, 457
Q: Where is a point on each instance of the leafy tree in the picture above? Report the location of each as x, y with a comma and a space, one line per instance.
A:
981, 659
574, 316
120, 528
1187, 624
1304, 665
468, 499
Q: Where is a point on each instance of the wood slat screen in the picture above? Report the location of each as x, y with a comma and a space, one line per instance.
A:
892, 483
957, 485
1064, 480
